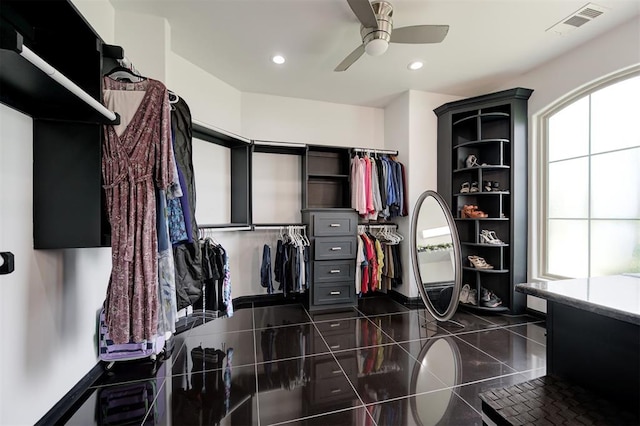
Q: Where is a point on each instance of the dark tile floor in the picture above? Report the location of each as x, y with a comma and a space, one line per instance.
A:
379, 364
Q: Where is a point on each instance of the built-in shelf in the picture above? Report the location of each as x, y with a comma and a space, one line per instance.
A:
480, 142
483, 116
493, 129
327, 176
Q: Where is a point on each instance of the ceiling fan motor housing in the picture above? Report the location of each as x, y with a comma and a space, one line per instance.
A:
384, 12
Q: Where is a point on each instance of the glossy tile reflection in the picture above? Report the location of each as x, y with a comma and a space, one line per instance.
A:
379, 363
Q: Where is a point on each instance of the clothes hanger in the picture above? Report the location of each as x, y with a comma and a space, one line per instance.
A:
173, 98
121, 73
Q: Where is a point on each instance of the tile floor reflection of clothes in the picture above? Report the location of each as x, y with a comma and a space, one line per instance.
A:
377, 364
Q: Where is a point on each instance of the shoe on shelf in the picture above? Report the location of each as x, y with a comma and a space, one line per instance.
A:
474, 187
495, 186
464, 293
486, 185
472, 298
464, 188
471, 161
489, 237
479, 262
470, 211
488, 299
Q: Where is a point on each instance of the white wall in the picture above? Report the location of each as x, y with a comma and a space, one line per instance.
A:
48, 304
278, 118
607, 54
411, 128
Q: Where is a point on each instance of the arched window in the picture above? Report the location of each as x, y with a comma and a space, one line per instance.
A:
590, 216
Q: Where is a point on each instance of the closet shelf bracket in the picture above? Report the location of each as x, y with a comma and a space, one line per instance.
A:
12, 40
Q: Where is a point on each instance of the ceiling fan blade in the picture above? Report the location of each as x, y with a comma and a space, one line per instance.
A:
364, 12
349, 60
419, 34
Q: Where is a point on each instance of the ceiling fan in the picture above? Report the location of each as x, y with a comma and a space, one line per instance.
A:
377, 31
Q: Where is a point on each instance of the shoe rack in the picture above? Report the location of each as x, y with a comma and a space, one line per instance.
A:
482, 174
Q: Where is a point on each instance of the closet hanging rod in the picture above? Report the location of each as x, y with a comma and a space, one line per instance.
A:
387, 225
219, 130
376, 151
218, 228
277, 228
41, 64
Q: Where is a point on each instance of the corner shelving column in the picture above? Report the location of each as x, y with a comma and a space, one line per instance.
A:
491, 129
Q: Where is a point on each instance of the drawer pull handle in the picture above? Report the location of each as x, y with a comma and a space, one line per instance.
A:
336, 372
336, 390
335, 324
334, 271
334, 293
335, 225
335, 347
336, 248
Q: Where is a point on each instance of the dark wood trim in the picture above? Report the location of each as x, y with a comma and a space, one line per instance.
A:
260, 300
69, 404
409, 302
506, 95
537, 314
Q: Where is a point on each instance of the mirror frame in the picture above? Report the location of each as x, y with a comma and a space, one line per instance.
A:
457, 279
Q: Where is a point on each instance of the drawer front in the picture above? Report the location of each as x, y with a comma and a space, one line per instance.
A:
340, 342
330, 248
334, 224
337, 326
330, 293
333, 388
334, 271
328, 370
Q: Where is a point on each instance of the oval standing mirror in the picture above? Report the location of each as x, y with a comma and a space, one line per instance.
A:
435, 250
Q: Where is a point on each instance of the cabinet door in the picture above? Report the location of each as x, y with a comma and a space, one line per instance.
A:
334, 271
333, 293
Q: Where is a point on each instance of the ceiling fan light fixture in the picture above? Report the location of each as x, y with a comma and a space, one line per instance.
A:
376, 47
278, 59
415, 65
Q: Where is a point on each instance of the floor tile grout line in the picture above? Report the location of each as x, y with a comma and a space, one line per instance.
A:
526, 337
486, 353
155, 399
339, 365
313, 416
255, 365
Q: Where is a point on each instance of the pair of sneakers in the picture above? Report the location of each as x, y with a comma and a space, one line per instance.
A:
468, 295
488, 299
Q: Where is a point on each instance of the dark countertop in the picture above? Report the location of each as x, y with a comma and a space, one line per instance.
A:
616, 296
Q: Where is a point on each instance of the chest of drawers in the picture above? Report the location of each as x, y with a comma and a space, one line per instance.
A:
333, 236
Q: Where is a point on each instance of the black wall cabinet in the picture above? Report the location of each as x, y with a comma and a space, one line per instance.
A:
482, 161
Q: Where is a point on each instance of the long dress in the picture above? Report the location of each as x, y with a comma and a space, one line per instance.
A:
135, 154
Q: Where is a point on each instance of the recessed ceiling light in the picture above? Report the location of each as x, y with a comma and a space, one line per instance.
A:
278, 59
416, 65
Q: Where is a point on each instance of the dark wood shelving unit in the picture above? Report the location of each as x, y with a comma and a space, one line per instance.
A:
493, 128
325, 177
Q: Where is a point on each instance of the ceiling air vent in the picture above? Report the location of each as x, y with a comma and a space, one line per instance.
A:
577, 19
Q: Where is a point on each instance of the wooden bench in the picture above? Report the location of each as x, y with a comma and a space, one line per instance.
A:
551, 401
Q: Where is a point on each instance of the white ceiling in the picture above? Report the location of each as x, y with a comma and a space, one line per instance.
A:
489, 43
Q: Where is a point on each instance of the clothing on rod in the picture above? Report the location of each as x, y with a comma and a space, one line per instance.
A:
378, 186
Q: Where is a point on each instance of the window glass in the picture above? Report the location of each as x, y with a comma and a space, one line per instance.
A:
615, 247
569, 189
592, 186
569, 131
568, 249
615, 184
615, 111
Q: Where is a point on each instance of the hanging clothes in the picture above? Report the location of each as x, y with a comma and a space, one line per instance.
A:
216, 294
167, 309
291, 266
135, 154
265, 269
378, 187
187, 254
378, 263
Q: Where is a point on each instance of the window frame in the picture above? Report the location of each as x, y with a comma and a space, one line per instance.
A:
539, 245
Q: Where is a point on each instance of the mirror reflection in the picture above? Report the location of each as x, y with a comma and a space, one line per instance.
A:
435, 256
433, 403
